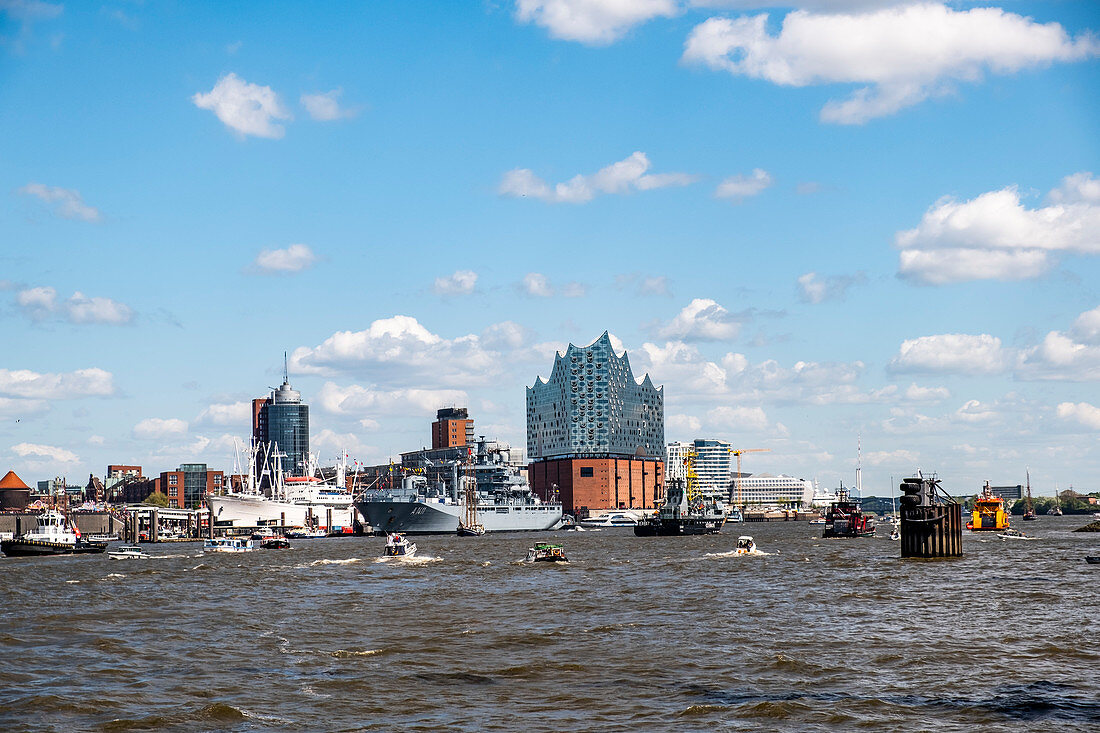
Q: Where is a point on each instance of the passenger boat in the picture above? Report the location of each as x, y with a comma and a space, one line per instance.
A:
611, 519
54, 535
274, 543
228, 544
546, 552
746, 545
817, 520
128, 552
989, 512
1015, 534
845, 518
306, 534
1091, 560
398, 546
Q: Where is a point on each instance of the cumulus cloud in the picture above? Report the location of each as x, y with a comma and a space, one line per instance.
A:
702, 320
325, 106
156, 427
1061, 358
23, 383
506, 335
739, 187
336, 443
727, 418
1080, 412
44, 453
234, 413
996, 237
358, 400
537, 285
813, 288
902, 54
1086, 328
625, 176
683, 425
295, 258
67, 202
40, 303
400, 347
952, 353
905, 458
248, 109
595, 22
461, 282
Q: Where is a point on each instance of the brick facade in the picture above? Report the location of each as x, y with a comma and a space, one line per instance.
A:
588, 485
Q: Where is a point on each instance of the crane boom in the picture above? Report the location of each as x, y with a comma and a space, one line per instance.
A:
737, 452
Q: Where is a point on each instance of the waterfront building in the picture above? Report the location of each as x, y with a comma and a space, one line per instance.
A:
1008, 493
769, 490
14, 494
452, 428
595, 435
282, 419
187, 486
712, 465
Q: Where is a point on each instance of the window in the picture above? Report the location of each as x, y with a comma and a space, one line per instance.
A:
172, 479
586, 471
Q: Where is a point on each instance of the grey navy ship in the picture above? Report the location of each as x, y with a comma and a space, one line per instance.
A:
505, 501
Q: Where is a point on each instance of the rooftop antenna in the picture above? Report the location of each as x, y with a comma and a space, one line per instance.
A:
286, 371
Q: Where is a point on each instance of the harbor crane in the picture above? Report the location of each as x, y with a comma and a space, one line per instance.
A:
737, 452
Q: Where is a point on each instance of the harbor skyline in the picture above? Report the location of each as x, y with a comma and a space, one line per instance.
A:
422, 211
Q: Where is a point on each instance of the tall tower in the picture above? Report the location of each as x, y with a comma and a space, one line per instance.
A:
282, 419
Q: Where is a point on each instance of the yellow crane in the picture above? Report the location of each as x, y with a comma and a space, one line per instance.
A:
737, 452
691, 483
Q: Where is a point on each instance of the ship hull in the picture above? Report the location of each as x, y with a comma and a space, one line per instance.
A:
247, 511
36, 548
677, 527
422, 517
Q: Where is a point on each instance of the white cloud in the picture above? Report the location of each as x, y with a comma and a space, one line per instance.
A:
1058, 357
816, 289
461, 282
507, 335
996, 237
295, 258
41, 302
249, 109
357, 400
156, 427
726, 418
948, 353
325, 106
1086, 328
335, 443
37, 452
30, 10
70, 385
915, 393
702, 320
537, 285
234, 413
400, 348
902, 54
685, 426
68, 203
906, 458
596, 22
739, 187
574, 290
625, 176
1081, 412
20, 408
681, 364
96, 440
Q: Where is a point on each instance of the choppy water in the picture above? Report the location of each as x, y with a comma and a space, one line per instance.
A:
650, 633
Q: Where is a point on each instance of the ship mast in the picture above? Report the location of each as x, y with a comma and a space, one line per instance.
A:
859, 465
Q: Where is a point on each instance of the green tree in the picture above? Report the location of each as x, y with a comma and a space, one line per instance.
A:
156, 499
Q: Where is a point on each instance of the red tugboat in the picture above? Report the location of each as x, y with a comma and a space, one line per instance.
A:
845, 518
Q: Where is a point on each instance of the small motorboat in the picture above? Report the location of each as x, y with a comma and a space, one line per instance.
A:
398, 546
127, 552
895, 534
1092, 560
228, 544
746, 545
611, 519
275, 543
1015, 534
818, 520
306, 534
546, 552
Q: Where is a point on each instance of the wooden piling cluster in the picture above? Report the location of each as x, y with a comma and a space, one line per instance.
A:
931, 531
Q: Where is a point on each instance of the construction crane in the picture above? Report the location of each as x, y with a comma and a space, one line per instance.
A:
737, 452
691, 478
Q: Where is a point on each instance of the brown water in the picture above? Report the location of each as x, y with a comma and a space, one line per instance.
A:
651, 633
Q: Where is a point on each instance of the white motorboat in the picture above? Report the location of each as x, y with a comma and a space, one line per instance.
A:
611, 519
818, 520
127, 552
398, 546
746, 545
1015, 534
895, 534
228, 544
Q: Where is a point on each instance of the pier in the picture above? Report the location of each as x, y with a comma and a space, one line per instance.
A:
931, 522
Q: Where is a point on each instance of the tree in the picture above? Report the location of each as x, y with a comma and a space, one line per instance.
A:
157, 499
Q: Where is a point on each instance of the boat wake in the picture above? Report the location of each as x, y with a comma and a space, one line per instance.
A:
327, 561
408, 559
735, 553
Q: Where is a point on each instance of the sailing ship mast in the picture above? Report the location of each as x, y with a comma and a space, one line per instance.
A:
1029, 512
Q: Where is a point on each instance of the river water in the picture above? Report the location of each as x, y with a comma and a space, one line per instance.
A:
635, 633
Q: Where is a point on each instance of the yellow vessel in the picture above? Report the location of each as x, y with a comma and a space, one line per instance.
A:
989, 512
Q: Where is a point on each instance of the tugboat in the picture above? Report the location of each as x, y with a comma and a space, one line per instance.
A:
275, 543
845, 517
54, 535
398, 546
989, 513
546, 552
683, 514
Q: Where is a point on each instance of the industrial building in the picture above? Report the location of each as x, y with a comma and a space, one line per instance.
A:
595, 435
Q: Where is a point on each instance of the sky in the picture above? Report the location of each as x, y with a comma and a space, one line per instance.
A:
814, 223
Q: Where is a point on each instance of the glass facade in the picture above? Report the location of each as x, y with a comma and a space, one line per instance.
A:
284, 422
194, 483
592, 405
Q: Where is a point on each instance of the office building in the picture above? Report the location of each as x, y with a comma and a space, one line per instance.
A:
712, 465
282, 420
452, 428
187, 486
769, 490
595, 435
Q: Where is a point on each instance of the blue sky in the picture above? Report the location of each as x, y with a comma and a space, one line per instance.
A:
851, 217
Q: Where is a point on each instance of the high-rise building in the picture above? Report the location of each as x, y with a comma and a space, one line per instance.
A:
452, 428
187, 486
595, 435
712, 465
769, 490
282, 419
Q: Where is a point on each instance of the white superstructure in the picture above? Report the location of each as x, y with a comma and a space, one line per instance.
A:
765, 489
